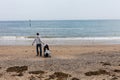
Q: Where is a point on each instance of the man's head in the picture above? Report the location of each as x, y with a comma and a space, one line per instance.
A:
37, 34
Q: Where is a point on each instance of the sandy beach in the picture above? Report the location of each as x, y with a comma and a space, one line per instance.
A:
93, 62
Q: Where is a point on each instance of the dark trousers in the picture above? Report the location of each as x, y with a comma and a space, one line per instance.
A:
39, 47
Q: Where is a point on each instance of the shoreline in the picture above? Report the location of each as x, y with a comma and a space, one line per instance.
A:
62, 41
27, 40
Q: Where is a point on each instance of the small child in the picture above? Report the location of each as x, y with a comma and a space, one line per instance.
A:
46, 51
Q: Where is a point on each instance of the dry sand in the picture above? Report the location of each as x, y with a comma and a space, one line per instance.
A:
98, 62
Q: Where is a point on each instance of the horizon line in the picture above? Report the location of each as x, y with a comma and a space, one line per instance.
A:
56, 19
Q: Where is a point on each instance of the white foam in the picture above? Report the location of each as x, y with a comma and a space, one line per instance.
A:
13, 38
84, 38
60, 28
21, 40
70, 38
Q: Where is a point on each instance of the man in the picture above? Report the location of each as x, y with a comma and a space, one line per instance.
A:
38, 44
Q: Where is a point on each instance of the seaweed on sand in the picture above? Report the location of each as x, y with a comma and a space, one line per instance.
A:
17, 69
116, 70
59, 76
32, 78
105, 63
75, 78
99, 72
19, 74
36, 72
1, 75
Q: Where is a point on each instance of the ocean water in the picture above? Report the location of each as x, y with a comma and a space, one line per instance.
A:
61, 30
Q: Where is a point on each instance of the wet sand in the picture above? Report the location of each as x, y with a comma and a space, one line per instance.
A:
93, 62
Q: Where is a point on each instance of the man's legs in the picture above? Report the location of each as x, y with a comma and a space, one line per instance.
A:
37, 49
40, 46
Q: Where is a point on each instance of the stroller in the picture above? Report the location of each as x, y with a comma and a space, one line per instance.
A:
47, 52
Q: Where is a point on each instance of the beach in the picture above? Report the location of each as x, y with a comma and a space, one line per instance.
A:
80, 50
67, 62
83, 37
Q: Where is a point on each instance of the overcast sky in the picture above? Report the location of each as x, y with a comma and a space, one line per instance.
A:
59, 9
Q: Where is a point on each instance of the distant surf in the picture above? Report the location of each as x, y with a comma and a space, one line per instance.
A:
60, 31
21, 40
69, 38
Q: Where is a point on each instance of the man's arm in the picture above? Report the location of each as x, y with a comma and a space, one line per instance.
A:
41, 41
33, 42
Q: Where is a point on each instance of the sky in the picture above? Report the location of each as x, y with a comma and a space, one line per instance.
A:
59, 9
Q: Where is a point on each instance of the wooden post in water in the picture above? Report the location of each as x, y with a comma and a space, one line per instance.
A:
30, 23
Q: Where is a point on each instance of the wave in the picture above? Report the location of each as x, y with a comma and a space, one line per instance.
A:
48, 38
58, 28
14, 38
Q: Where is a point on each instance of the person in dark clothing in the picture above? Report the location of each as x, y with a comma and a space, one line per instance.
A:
46, 47
39, 43
46, 51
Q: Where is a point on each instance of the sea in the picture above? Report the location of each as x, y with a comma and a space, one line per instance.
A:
60, 32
